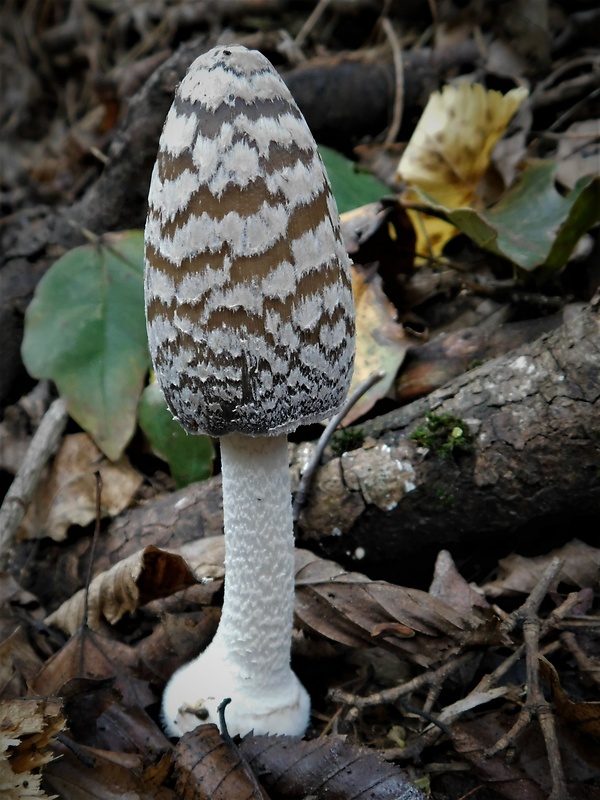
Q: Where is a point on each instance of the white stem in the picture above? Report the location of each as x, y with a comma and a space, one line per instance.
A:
249, 658
258, 608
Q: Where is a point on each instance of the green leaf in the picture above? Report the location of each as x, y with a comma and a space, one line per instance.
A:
85, 330
533, 225
352, 187
190, 458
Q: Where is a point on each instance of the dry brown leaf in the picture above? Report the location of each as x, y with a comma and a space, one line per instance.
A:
68, 495
380, 342
208, 768
450, 586
519, 574
95, 773
14, 599
87, 655
19, 661
351, 609
120, 721
449, 152
583, 716
146, 575
27, 726
324, 768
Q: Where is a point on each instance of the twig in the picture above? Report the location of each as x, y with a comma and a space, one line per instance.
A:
492, 678
396, 123
443, 722
18, 497
310, 23
86, 596
77, 750
532, 605
309, 472
430, 677
536, 705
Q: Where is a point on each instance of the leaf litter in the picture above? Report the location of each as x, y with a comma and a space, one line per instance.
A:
459, 669
441, 634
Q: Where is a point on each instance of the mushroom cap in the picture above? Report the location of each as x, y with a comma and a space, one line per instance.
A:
249, 304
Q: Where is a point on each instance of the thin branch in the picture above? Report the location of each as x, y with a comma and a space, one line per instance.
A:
432, 677
20, 493
398, 109
310, 23
309, 472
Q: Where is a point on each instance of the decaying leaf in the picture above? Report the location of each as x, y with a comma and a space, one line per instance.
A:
27, 727
450, 586
121, 721
520, 574
351, 609
19, 661
508, 777
96, 773
583, 716
68, 496
380, 342
87, 655
206, 766
525, 775
449, 153
146, 575
324, 768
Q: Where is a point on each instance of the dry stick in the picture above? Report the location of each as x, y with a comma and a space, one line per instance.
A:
394, 693
492, 678
310, 23
18, 497
531, 606
392, 38
309, 472
431, 699
536, 705
86, 597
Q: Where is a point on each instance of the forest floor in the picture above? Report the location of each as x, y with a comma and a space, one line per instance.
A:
448, 557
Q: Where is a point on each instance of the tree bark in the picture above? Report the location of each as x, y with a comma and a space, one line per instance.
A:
535, 461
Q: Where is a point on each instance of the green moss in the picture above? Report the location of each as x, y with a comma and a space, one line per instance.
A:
444, 434
446, 498
347, 439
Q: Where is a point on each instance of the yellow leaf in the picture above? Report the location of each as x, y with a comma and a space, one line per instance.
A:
380, 341
449, 152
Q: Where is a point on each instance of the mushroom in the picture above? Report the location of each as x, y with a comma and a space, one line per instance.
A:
250, 323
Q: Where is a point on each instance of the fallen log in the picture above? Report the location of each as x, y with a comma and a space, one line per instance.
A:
533, 416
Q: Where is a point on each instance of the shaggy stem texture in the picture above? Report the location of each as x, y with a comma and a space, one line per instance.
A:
249, 658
